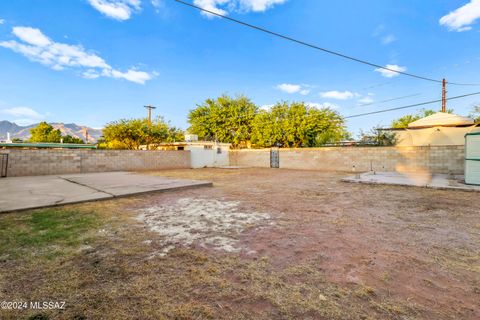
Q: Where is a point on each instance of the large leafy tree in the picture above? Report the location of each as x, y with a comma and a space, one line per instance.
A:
132, 133
404, 121
45, 132
297, 125
224, 119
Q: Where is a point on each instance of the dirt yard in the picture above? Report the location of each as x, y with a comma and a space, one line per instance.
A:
260, 244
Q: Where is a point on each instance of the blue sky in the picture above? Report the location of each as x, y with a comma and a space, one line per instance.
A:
94, 61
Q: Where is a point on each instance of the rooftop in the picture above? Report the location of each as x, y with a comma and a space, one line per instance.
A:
442, 119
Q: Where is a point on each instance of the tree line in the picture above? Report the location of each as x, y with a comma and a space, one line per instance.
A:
243, 124
239, 121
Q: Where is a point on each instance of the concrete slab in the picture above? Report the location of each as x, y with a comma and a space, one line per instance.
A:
21, 193
436, 181
129, 183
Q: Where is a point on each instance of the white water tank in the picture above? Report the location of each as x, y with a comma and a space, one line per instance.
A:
191, 137
472, 158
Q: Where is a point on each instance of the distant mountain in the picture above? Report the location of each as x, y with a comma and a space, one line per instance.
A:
23, 132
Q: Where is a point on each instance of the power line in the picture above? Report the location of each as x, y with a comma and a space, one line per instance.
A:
388, 100
364, 114
410, 106
317, 47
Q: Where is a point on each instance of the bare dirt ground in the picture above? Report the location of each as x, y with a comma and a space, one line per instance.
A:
260, 244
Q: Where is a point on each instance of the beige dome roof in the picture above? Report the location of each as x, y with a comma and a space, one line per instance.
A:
441, 119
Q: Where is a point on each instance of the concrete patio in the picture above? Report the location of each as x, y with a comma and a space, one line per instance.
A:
21, 193
426, 180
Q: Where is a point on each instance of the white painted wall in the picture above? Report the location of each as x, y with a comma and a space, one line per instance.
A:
210, 158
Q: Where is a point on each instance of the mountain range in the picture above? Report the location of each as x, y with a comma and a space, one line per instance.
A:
23, 132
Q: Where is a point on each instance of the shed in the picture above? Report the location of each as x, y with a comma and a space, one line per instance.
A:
439, 129
202, 153
472, 158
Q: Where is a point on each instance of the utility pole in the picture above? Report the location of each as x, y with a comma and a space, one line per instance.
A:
444, 95
86, 135
150, 108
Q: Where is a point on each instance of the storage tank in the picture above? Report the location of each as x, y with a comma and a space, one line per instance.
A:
472, 158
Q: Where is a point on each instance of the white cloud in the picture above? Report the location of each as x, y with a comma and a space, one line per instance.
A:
223, 7
39, 48
259, 5
462, 18
116, 9
339, 95
266, 107
303, 89
31, 36
22, 112
2, 21
289, 88
389, 39
158, 4
131, 75
321, 105
22, 115
391, 74
366, 100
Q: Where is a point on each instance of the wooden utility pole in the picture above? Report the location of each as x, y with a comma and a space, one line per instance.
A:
444, 95
149, 108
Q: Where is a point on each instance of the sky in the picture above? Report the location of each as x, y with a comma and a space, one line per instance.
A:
95, 61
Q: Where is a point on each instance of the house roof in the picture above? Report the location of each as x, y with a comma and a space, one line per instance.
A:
442, 119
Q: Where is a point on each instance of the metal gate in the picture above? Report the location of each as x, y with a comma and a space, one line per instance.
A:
274, 158
3, 165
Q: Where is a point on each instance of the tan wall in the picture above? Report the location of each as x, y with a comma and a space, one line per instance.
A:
250, 158
437, 159
28, 162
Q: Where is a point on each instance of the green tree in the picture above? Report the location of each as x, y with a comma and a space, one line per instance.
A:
225, 119
475, 114
132, 133
297, 125
379, 137
175, 134
69, 139
404, 121
45, 132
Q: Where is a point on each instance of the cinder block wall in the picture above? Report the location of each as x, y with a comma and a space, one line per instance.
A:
32, 162
435, 159
258, 158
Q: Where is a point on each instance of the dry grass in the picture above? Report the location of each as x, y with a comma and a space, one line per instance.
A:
316, 262
112, 276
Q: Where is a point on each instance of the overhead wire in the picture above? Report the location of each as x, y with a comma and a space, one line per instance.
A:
388, 100
411, 106
336, 53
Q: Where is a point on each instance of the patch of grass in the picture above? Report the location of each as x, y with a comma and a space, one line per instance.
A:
459, 260
365, 292
46, 232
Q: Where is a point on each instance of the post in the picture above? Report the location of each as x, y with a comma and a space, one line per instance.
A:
149, 108
444, 95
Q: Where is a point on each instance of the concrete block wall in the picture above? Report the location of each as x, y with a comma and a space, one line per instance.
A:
32, 162
435, 159
258, 158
